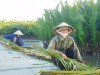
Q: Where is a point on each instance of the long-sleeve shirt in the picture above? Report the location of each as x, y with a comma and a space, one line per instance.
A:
57, 42
11, 38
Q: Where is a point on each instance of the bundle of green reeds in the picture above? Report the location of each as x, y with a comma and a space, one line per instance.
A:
69, 64
31, 52
96, 72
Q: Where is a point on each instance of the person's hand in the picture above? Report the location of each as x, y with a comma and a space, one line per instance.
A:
82, 62
64, 56
14, 39
56, 51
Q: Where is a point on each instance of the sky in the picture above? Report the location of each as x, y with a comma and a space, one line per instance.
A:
25, 9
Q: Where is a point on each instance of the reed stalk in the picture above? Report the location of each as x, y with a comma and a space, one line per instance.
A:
69, 63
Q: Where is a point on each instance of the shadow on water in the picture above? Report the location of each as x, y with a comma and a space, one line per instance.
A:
92, 60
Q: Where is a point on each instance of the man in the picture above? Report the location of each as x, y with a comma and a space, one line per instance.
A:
15, 37
64, 44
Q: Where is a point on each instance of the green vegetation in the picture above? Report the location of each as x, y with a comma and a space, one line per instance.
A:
83, 15
31, 52
69, 64
40, 52
9, 27
97, 72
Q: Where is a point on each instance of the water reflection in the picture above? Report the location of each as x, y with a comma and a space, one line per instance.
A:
28, 43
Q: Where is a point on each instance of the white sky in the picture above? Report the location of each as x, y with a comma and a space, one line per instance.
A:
25, 9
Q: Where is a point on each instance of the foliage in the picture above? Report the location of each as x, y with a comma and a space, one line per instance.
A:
9, 27
83, 15
69, 64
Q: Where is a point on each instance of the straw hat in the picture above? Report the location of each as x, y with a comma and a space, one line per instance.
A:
18, 32
63, 25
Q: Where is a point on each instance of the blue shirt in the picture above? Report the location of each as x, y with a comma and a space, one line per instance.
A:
11, 37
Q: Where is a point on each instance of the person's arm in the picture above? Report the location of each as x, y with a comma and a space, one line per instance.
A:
20, 41
7, 36
10, 37
52, 46
79, 58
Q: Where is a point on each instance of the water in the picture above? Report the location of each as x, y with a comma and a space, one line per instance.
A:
18, 63
28, 43
92, 60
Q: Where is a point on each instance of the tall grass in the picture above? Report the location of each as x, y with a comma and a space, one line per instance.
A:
9, 27
83, 15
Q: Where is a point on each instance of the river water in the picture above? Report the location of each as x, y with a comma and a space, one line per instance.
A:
13, 62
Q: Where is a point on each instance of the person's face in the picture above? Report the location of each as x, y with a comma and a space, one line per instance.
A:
64, 31
18, 35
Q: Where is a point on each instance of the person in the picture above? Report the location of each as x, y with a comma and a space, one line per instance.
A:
15, 37
64, 44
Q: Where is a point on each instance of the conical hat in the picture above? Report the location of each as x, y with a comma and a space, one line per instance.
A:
18, 32
63, 25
